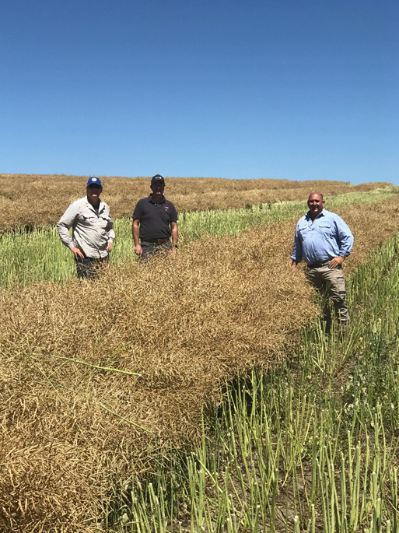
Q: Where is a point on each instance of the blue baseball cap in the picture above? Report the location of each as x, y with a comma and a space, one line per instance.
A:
94, 181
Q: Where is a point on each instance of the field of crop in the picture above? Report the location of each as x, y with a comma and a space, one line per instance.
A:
27, 201
38, 254
309, 446
105, 384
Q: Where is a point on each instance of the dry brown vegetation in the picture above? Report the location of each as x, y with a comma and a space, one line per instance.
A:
68, 431
33, 200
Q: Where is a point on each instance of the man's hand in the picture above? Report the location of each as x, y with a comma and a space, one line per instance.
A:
77, 253
336, 261
173, 250
293, 266
136, 237
109, 246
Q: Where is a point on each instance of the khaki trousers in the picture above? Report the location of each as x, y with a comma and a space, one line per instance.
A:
330, 282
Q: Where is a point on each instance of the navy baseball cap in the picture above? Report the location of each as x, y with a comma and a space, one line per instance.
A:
94, 181
157, 178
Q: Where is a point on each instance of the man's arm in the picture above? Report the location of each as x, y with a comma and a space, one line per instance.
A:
345, 237
66, 221
297, 251
111, 234
135, 232
345, 242
175, 235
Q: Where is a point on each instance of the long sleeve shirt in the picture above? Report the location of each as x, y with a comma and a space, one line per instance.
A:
91, 228
327, 237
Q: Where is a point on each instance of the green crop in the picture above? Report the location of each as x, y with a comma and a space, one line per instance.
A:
309, 446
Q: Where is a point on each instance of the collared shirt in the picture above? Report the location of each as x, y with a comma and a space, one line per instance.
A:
155, 219
91, 228
327, 237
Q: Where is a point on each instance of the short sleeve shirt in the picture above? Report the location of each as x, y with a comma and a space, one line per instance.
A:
155, 219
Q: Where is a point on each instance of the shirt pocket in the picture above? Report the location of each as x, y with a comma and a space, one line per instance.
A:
326, 230
88, 220
105, 221
304, 230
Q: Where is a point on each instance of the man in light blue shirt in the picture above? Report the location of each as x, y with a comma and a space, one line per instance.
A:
323, 240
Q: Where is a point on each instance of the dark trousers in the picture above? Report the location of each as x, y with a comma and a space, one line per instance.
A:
89, 267
151, 248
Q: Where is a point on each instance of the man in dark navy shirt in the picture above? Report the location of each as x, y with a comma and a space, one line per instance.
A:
154, 222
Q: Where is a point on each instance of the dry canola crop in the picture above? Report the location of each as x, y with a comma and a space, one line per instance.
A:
34, 200
77, 420
310, 446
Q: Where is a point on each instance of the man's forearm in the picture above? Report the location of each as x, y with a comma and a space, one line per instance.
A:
136, 234
175, 235
64, 235
111, 235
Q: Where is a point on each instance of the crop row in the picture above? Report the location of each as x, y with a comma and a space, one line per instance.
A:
38, 255
309, 446
29, 201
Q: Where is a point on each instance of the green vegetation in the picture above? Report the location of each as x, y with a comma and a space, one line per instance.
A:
29, 257
315, 438
309, 446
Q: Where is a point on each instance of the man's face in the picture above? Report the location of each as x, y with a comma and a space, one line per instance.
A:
93, 193
158, 188
315, 204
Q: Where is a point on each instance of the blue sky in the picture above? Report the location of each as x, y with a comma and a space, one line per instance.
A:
284, 89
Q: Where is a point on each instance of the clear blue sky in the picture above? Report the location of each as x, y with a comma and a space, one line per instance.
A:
293, 89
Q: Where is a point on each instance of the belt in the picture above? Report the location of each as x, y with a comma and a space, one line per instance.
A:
155, 241
317, 265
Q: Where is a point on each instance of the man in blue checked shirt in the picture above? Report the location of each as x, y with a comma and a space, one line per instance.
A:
323, 240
